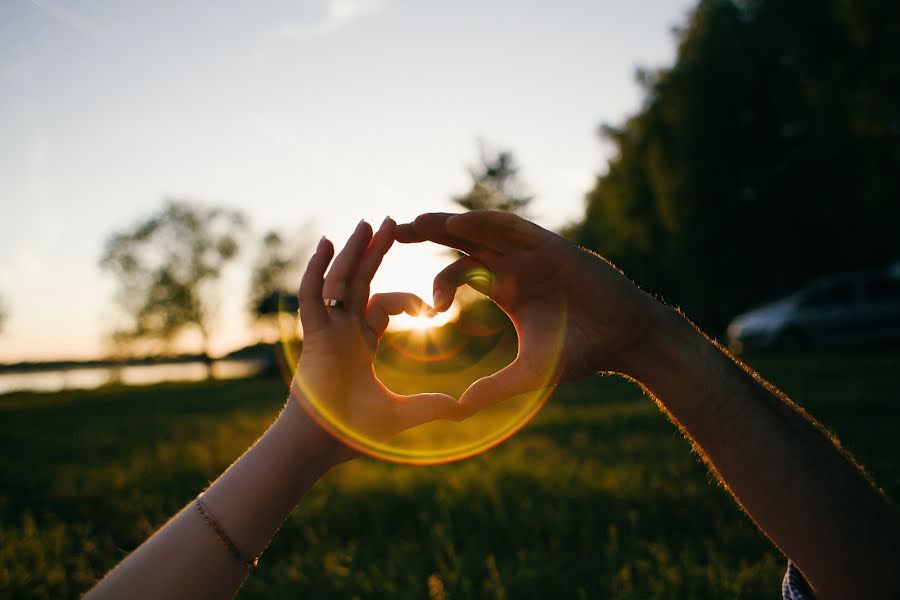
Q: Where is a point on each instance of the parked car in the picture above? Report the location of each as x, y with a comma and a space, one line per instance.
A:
840, 310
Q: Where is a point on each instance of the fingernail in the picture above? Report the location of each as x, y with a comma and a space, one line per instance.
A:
386, 220
438, 299
321, 244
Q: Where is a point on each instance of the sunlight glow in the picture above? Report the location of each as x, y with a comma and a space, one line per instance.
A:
406, 322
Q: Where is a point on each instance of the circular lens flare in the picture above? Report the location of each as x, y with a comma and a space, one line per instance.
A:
446, 358
479, 279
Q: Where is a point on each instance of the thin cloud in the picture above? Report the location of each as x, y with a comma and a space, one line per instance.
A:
337, 14
56, 10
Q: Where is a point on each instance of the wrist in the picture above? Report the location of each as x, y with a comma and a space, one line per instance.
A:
669, 339
317, 442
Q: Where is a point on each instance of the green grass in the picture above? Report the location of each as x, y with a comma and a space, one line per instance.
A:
598, 497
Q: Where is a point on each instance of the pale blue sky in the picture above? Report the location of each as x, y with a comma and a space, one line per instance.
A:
333, 110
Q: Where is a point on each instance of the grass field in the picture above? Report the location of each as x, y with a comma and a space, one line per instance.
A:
599, 497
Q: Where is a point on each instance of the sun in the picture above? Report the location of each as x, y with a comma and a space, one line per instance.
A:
406, 322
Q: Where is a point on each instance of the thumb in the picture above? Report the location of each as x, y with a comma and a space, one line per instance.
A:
382, 307
419, 409
514, 379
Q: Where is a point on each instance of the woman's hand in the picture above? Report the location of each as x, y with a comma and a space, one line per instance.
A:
335, 381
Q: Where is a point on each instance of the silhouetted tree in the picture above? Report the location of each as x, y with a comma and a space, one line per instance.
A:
275, 275
495, 183
168, 267
767, 155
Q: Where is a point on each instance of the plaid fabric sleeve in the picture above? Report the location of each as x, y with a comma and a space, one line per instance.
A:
794, 586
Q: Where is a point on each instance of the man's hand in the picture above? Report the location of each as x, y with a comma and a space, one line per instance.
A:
799, 487
549, 288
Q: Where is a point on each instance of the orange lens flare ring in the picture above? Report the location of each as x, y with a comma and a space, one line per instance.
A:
431, 354
437, 442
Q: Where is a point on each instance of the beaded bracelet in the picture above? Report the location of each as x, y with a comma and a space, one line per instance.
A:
247, 563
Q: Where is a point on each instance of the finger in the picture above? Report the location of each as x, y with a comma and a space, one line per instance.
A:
495, 229
337, 280
312, 310
464, 270
424, 228
382, 306
514, 379
419, 409
431, 227
371, 260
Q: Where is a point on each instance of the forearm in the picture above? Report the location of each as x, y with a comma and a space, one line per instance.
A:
789, 475
186, 559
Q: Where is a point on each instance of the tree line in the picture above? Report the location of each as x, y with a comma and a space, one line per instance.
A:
766, 156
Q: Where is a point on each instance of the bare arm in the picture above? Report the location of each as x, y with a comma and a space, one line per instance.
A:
787, 473
186, 559
785, 470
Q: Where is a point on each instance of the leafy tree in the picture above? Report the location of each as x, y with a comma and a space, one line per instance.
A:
167, 268
275, 276
767, 155
495, 183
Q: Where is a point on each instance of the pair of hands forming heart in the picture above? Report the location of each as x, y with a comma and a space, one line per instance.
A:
550, 289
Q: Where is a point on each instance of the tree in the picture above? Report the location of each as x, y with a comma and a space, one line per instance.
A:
495, 183
167, 268
275, 276
766, 156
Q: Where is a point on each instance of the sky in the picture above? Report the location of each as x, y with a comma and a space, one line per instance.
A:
317, 111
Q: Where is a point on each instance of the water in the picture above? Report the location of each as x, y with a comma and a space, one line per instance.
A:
92, 377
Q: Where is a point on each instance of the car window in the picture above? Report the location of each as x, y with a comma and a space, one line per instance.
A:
835, 294
883, 289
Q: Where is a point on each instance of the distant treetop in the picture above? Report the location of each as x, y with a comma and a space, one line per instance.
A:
495, 183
